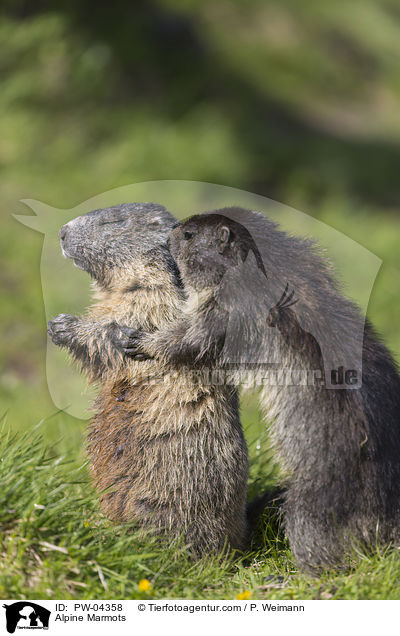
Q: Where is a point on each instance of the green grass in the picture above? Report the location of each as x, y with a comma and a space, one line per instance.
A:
55, 543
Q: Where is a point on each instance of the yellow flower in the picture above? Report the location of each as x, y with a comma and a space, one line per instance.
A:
243, 596
144, 585
87, 524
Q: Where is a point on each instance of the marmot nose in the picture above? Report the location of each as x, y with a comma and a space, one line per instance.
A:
63, 232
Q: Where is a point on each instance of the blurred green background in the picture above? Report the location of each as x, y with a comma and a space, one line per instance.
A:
299, 102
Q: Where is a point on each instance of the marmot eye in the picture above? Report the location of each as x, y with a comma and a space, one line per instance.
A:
187, 235
108, 222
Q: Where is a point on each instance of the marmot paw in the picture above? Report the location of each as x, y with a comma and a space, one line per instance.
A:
60, 328
129, 342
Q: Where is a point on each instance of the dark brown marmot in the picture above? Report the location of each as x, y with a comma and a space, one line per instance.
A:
340, 446
168, 449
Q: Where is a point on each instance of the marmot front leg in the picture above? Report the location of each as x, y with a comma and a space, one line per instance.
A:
187, 341
91, 343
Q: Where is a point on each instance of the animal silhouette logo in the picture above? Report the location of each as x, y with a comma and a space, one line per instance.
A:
26, 615
67, 288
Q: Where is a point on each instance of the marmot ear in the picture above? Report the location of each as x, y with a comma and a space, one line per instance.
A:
224, 237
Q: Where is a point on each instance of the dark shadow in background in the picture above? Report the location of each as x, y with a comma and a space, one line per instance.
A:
163, 63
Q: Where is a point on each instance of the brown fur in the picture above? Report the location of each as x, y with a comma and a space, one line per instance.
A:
164, 448
339, 445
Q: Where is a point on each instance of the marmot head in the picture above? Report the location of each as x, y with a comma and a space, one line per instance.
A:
111, 243
207, 245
